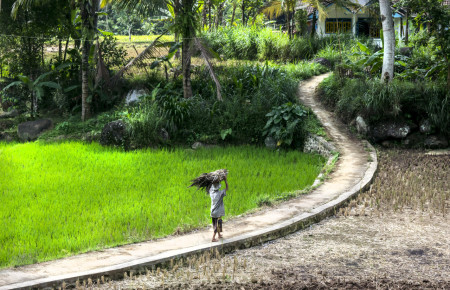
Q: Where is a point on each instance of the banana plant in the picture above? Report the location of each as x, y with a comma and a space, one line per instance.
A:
35, 88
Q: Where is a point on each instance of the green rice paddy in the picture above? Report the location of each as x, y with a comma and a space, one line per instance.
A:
62, 199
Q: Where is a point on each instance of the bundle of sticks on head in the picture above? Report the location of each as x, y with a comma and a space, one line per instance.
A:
205, 180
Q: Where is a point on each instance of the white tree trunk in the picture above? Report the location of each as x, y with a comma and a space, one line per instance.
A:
387, 73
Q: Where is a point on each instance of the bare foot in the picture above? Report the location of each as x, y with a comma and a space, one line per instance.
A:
214, 240
220, 236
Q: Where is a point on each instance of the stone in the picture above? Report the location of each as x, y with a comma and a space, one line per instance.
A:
6, 124
10, 114
390, 129
407, 51
425, 126
436, 142
164, 135
197, 145
361, 126
270, 143
134, 96
415, 140
318, 144
29, 131
6, 137
91, 137
115, 134
323, 61
387, 144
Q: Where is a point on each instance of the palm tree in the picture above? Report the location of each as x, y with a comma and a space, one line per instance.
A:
88, 11
387, 73
186, 20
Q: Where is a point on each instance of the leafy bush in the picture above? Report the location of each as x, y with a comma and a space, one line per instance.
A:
286, 125
113, 54
144, 124
174, 109
414, 101
249, 93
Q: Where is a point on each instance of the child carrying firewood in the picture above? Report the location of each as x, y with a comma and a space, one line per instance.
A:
211, 182
217, 207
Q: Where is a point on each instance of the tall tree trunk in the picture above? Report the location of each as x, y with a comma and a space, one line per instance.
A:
205, 8
65, 48
407, 27
89, 23
387, 73
129, 34
288, 22
188, 33
186, 67
59, 50
243, 12
177, 39
85, 103
220, 14
447, 60
209, 13
233, 13
314, 21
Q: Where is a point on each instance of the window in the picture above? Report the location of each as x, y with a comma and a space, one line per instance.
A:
334, 25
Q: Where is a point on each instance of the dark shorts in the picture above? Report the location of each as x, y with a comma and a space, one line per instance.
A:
217, 224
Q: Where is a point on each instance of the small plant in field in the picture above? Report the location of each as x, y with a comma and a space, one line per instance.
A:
285, 124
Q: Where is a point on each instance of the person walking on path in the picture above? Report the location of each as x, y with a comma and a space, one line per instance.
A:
217, 207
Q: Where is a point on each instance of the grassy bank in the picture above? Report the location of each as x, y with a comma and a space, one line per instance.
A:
61, 199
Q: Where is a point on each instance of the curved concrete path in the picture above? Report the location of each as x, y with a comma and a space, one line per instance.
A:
353, 172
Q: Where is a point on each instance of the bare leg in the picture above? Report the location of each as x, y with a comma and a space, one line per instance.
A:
214, 235
214, 238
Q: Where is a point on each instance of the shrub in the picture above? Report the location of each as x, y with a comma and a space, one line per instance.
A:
144, 124
414, 101
286, 125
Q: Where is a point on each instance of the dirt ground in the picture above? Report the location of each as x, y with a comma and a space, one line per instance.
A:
369, 245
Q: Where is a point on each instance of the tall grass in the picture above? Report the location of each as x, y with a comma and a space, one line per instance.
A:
62, 199
252, 43
399, 99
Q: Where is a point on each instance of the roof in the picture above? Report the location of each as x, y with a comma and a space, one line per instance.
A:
309, 9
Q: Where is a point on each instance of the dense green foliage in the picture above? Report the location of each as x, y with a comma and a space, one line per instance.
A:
285, 124
249, 91
376, 101
254, 42
61, 199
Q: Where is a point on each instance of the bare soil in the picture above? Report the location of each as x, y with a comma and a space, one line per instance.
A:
377, 242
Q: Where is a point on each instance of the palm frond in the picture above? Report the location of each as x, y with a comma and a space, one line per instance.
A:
319, 6
207, 179
143, 8
207, 59
272, 8
147, 53
102, 72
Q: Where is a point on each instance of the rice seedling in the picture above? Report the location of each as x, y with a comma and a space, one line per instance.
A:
61, 199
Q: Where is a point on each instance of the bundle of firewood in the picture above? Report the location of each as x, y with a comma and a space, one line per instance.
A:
207, 179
